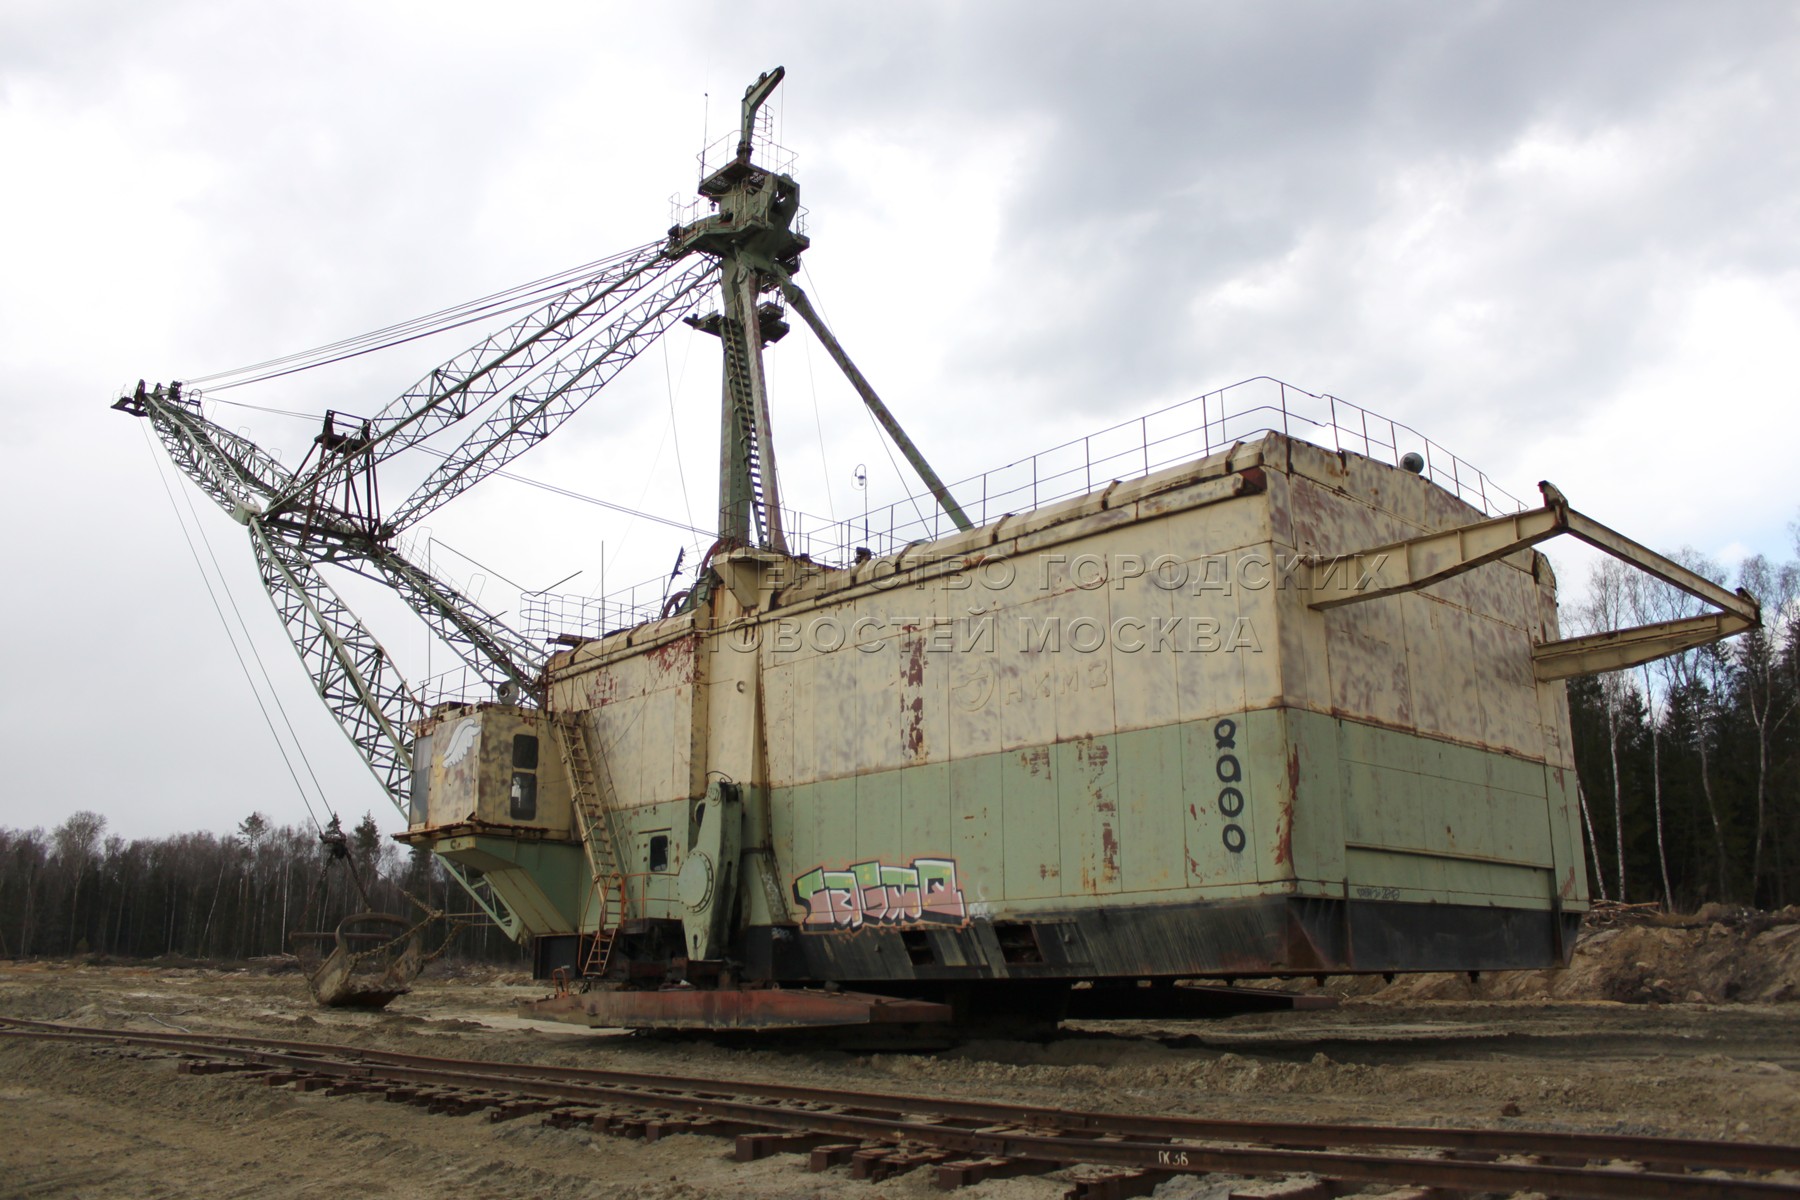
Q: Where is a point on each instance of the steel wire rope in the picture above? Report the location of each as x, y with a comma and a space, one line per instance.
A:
367, 342
526, 296
567, 493
238, 654
555, 489
388, 345
819, 424
261, 666
454, 317
669, 382
880, 434
410, 323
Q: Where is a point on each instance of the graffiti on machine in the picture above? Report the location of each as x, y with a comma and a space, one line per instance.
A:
873, 893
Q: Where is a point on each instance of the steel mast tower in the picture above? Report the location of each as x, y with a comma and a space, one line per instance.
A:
752, 237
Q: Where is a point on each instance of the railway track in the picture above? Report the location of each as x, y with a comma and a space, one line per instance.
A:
965, 1141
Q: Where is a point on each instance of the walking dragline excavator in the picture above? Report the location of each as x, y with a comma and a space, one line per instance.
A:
521, 384
1217, 702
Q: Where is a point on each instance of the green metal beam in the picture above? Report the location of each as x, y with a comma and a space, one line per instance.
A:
803, 306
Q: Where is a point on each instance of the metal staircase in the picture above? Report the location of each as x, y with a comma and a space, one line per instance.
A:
595, 821
737, 383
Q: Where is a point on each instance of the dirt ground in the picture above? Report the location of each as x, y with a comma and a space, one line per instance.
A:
1636, 1037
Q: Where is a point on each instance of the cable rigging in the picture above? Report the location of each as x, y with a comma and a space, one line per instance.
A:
525, 295
206, 580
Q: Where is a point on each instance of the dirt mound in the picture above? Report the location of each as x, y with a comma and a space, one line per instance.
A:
1638, 956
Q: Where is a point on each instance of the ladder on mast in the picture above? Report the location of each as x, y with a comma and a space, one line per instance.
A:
741, 398
597, 841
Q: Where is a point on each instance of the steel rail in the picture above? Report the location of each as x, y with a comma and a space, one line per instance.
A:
1051, 1137
1691, 1152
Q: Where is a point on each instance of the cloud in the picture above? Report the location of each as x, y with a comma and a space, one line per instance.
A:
1560, 241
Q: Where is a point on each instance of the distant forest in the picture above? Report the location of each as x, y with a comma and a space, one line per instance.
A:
1689, 771
77, 890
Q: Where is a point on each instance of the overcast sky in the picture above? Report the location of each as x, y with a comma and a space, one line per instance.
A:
1559, 239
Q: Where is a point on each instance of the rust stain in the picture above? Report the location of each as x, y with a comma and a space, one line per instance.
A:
1094, 755
1036, 760
677, 658
915, 728
912, 673
1109, 853
1047, 871
1284, 819
912, 677
602, 689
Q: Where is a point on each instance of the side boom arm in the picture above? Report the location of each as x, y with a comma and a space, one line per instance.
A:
1419, 562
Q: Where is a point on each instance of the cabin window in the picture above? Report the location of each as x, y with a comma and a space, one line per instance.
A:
524, 796
659, 852
418, 810
524, 780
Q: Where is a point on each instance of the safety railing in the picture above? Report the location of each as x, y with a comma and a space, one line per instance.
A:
1179, 433
1169, 436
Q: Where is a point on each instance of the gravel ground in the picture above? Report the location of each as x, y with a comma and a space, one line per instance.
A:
76, 1123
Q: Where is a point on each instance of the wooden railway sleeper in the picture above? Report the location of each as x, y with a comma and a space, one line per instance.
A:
1116, 1184
1293, 1189
877, 1163
753, 1147
966, 1172
831, 1154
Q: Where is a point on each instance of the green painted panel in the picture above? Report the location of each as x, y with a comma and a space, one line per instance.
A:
1515, 774
1087, 797
541, 882
1456, 764
925, 811
834, 817
1467, 815
1319, 828
1388, 875
1032, 825
1264, 748
976, 835
1223, 802
878, 817
1159, 810
794, 815
1152, 810
1364, 743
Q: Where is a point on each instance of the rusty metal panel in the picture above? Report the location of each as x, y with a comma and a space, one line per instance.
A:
1087, 790
730, 1008
640, 709
1031, 824
897, 743
1265, 752
1318, 830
